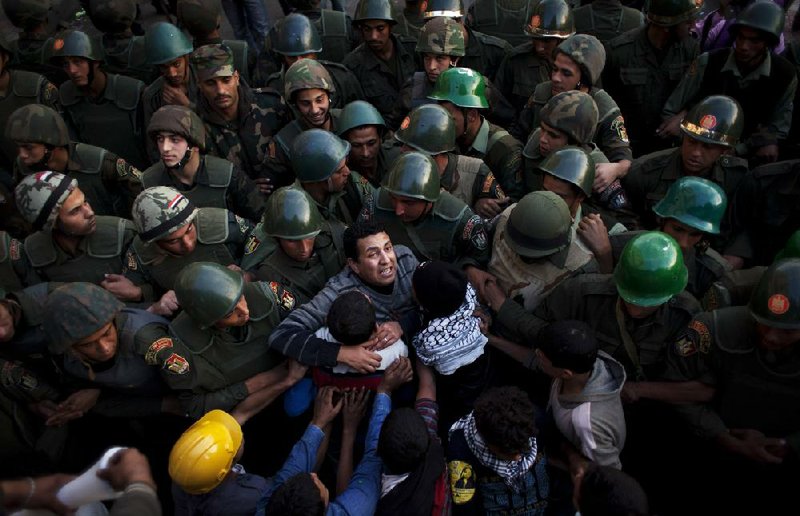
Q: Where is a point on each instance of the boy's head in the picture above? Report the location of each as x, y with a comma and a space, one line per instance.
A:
605, 491
403, 442
439, 287
567, 346
504, 418
351, 318
302, 495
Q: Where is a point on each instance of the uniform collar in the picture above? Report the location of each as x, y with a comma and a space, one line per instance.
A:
482, 138
761, 70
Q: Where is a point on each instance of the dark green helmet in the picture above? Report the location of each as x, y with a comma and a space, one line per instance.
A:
199, 17
74, 43
181, 121
463, 87
37, 123
765, 16
572, 112
696, 202
588, 53
414, 175
429, 128
539, 225
305, 74
444, 8
291, 214
667, 13
374, 10
573, 165
716, 119
441, 37
75, 311
316, 155
112, 16
208, 292
791, 249
165, 43
26, 14
359, 113
650, 270
548, 19
295, 35
776, 300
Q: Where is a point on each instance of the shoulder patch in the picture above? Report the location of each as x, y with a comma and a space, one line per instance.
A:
251, 244
618, 126
176, 364
285, 298
14, 250
685, 347
487, 183
151, 357
244, 225
130, 261
698, 338
475, 233
125, 169
462, 481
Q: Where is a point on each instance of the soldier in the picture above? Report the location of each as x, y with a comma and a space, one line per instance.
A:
208, 181
334, 27
123, 53
499, 19
645, 65
34, 45
362, 126
109, 183
383, 62
101, 109
607, 19
294, 246
410, 18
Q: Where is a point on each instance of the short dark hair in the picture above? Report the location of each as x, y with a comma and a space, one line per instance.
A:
569, 345
403, 441
440, 288
504, 417
351, 318
606, 491
355, 232
298, 496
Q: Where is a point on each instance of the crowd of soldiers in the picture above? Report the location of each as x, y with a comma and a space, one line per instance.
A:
180, 211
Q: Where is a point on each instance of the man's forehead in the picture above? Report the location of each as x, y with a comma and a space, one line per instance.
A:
375, 241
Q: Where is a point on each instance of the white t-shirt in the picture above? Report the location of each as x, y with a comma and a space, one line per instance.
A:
388, 354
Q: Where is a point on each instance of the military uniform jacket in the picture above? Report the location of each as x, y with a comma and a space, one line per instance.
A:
33, 55
606, 19
502, 153
469, 179
408, 24
127, 56
348, 87
347, 206
484, 53
519, 73
335, 28
152, 100
501, 19
532, 157
280, 168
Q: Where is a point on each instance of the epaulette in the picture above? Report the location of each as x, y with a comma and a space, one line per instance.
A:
625, 38
777, 169
494, 41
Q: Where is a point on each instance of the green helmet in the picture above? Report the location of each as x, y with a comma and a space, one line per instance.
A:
548, 19
112, 16
37, 123
696, 202
160, 211
764, 16
26, 14
75, 311
444, 8
165, 43
573, 165
716, 119
572, 112
305, 74
359, 113
463, 87
588, 53
775, 302
667, 13
316, 155
429, 128
74, 43
539, 225
650, 270
442, 37
199, 17
208, 292
374, 10
291, 214
295, 35
414, 175
791, 249
40, 196
181, 121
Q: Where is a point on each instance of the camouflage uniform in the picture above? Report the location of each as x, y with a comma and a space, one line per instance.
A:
31, 50
123, 53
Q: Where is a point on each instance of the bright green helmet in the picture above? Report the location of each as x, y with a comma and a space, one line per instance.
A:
441, 37
548, 19
651, 270
463, 87
37, 123
765, 16
572, 112
791, 249
539, 225
74, 43
112, 16
178, 120
295, 35
775, 302
667, 13
573, 165
716, 119
165, 43
26, 14
39, 197
444, 8
588, 53
306, 74
429, 128
414, 175
374, 10
316, 155
75, 311
696, 202
291, 214
160, 211
208, 292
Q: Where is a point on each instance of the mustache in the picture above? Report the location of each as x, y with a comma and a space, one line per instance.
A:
221, 97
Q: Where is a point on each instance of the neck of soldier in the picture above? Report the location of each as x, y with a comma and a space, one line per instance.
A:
318, 191
387, 52
59, 158
470, 133
68, 243
98, 84
187, 173
659, 37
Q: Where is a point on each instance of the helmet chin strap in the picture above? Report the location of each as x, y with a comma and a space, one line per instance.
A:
43, 164
182, 163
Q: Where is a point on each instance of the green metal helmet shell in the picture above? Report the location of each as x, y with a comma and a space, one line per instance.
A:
39, 197
295, 35
374, 10
75, 311
291, 214
764, 16
429, 128
181, 121
696, 202
306, 74
650, 270
463, 87
199, 17
539, 225
716, 119
160, 211
316, 155
667, 13
414, 175
208, 292
74, 43
573, 165
112, 16
25, 14
37, 123
587, 52
791, 249
442, 37
548, 19
775, 302
444, 8
357, 114
165, 43
572, 112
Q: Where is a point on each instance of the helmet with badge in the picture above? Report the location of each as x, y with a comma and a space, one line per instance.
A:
717, 119
775, 302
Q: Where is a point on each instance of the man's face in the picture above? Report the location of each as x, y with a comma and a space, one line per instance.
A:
298, 250
171, 147
458, 116
338, 180
698, 157
221, 92
774, 339
435, 64
175, 72
365, 144
290, 60
181, 242
99, 347
551, 139
687, 237
544, 47
566, 74
31, 153
238, 317
408, 209
7, 329
77, 69
377, 263
563, 189
376, 34
639, 312
313, 105
76, 216
749, 48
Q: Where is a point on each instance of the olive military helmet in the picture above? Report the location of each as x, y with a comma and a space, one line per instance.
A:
74, 43
74, 312
429, 128
650, 270
26, 14
444, 8
588, 53
414, 175
548, 19
572, 112
442, 37
694, 201
199, 17
316, 155
765, 16
775, 302
160, 211
112, 16
295, 35
203, 455
37, 123
208, 292
357, 114
463, 87
573, 165
539, 225
791, 249
165, 43
667, 13
291, 214
178, 120
716, 119
374, 10
306, 74
40, 196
